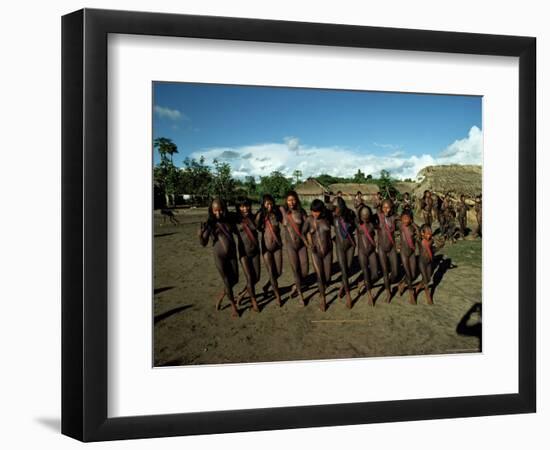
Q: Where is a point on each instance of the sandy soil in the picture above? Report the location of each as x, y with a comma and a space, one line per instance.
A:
188, 329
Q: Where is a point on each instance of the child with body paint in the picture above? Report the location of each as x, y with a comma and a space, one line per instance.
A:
427, 250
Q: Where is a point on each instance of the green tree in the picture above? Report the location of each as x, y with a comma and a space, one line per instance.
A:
275, 184
386, 184
250, 186
359, 177
326, 179
222, 184
165, 147
166, 175
297, 174
196, 178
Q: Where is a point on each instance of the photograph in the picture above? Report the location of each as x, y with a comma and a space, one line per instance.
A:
302, 224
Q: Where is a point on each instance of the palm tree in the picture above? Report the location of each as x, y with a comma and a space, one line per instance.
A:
297, 174
165, 147
167, 172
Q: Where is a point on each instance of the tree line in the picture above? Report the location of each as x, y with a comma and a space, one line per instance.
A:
203, 182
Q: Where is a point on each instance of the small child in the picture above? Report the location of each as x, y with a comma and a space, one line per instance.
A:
425, 260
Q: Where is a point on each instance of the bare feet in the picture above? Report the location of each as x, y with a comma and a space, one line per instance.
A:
348, 300
412, 300
323, 305
370, 300
388, 296
341, 292
293, 291
240, 296
401, 288
234, 311
255, 306
302, 300
428, 296
219, 300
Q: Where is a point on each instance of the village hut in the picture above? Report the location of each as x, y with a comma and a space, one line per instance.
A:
349, 191
311, 189
455, 179
405, 186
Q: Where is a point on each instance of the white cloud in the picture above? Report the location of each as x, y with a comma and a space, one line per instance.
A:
167, 113
386, 146
262, 159
293, 143
467, 150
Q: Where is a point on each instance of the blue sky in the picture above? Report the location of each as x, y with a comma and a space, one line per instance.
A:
261, 129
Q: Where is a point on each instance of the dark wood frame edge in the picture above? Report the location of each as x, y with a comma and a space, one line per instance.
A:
84, 224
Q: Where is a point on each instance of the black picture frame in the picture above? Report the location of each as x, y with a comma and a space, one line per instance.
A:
84, 224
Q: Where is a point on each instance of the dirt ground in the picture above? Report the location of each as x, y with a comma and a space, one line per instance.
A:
188, 329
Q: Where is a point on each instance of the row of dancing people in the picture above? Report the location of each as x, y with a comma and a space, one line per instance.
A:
379, 239
450, 213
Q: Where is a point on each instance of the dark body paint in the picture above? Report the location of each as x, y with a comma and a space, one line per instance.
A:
269, 223
462, 213
249, 253
344, 227
294, 242
318, 232
366, 253
427, 205
409, 236
426, 252
225, 253
387, 251
478, 211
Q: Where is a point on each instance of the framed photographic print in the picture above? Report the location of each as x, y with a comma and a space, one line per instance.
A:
273, 224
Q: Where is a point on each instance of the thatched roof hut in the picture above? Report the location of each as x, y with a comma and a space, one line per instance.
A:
406, 186
350, 189
454, 178
311, 189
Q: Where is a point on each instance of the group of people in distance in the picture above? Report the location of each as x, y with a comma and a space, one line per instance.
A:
380, 237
